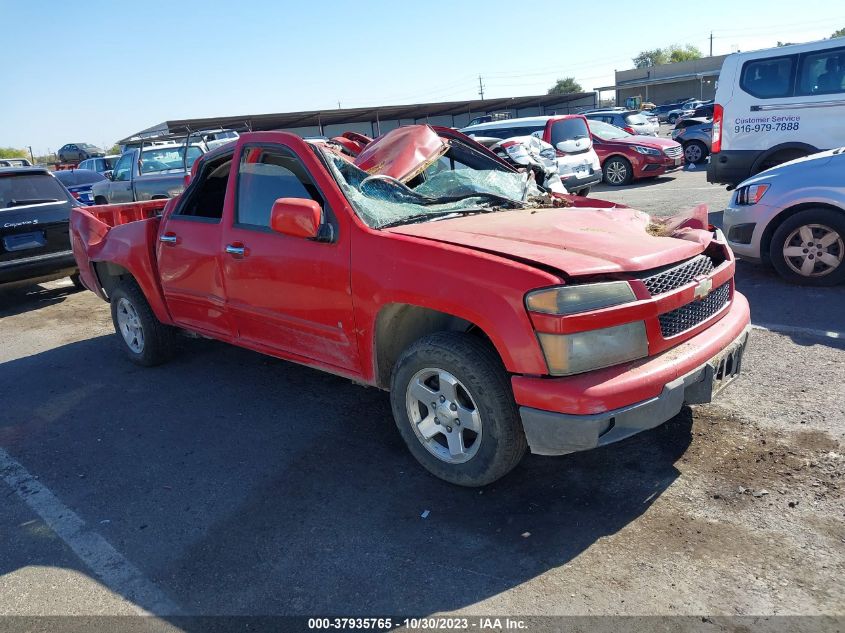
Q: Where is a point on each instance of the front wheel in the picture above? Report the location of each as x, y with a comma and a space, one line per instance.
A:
672, 119
452, 402
618, 171
144, 339
809, 248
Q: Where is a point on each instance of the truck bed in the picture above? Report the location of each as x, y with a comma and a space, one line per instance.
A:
122, 234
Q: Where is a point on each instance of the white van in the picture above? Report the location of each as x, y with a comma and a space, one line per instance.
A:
776, 105
577, 161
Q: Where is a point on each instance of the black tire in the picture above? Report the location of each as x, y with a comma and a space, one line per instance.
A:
672, 118
100, 200
76, 281
477, 366
779, 158
696, 148
158, 341
623, 165
829, 218
584, 192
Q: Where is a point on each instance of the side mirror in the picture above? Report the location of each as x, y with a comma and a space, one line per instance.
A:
109, 174
573, 145
296, 217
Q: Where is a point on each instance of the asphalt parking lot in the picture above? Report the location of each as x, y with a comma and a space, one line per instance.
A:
226, 482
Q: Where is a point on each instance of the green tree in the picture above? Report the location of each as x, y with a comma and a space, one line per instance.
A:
115, 149
668, 55
679, 53
839, 33
565, 86
654, 57
11, 152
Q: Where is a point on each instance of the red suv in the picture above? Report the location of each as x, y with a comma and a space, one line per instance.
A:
625, 157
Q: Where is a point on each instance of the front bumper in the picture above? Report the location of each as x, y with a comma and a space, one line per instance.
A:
551, 433
760, 215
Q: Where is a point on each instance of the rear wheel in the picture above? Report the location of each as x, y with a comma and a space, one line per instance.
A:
100, 200
695, 152
618, 171
672, 118
584, 192
77, 281
144, 339
809, 248
452, 402
779, 158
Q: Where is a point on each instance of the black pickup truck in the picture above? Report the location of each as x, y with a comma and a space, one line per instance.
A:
34, 241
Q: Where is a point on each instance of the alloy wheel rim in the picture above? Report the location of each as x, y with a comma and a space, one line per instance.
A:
814, 250
616, 172
443, 415
130, 325
693, 153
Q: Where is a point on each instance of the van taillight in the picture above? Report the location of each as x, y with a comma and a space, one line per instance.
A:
718, 114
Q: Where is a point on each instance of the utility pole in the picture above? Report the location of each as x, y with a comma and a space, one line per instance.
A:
711, 43
480, 88
338, 105
30, 154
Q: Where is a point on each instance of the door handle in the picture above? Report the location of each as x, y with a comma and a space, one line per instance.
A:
237, 250
168, 238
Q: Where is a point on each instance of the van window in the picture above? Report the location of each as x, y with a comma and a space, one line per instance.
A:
768, 78
822, 72
569, 129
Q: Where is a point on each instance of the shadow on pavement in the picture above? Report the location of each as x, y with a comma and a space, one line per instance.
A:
27, 298
244, 485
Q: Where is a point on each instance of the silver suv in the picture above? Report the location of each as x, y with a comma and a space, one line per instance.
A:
694, 136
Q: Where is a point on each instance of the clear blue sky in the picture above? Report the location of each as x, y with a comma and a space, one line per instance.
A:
96, 71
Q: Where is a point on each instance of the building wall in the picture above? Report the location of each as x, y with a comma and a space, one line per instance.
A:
699, 88
666, 93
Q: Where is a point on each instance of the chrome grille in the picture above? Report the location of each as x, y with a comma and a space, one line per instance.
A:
674, 152
690, 315
676, 276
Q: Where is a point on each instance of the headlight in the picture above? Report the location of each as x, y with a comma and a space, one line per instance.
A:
579, 298
575, 353
750, 194
650, 151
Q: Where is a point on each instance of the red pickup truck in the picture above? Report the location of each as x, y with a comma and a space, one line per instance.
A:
500, 318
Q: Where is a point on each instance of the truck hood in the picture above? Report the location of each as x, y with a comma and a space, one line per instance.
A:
572, 241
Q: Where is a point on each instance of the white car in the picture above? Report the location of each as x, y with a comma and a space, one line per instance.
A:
776, 105
577, 162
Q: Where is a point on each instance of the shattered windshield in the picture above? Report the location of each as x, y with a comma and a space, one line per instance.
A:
441, 191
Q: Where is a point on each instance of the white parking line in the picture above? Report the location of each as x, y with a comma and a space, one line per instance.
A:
802, 331
117, 573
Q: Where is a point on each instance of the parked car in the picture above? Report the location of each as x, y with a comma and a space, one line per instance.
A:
662, 111
694, 137
704, 111
75, 152
626, 157
793, 216
155, 172
79, 182
34, 243
676, 113
101, 164
775, 105
416, 269
632, 121
14, 162
577, 162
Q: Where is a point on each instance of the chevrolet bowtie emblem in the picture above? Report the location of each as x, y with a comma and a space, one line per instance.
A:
703, 288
